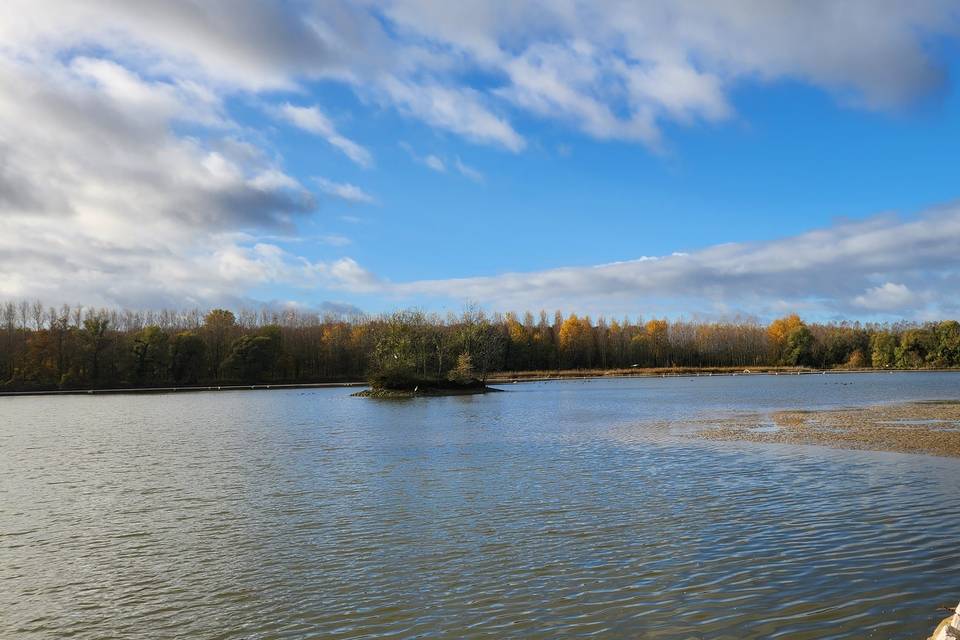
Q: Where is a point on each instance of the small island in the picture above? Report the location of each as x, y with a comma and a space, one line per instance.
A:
426, 388
394, 381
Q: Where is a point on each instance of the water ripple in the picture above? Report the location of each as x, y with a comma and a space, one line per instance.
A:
538, 514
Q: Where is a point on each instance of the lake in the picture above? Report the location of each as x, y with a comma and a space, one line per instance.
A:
556, 509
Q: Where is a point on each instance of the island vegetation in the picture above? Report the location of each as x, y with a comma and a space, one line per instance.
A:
67, 348
392, 378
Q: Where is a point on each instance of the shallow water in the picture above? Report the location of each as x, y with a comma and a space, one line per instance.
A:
559, 509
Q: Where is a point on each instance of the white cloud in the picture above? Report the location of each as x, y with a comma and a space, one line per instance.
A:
467, 171
228, 44
348, 275
888, 297
615, 69
182, 100
335, 240
559, 81
102, 203
431, 161
460, 110
345, 191
439, 165
434, 163
313, 120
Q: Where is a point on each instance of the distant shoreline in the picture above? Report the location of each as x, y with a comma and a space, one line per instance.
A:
216, 387
510, 377
685, 372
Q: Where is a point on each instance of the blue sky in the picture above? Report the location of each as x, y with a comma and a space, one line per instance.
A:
792, 160
669, 159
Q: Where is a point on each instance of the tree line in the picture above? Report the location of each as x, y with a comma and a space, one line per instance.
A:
47, 348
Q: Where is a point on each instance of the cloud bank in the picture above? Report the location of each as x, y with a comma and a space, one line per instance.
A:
884, 265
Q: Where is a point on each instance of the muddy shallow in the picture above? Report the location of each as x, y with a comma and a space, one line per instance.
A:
931, 427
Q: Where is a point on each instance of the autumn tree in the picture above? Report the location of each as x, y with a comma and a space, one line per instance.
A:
779, 332
571, 340
462, 373
657, 332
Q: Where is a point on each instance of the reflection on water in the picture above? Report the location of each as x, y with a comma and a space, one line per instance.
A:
558, 509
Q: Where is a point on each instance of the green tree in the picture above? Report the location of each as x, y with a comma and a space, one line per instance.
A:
915, 345
252, 358
487, 351
883, 345
393, 362
152, 355
186, 358
841, 343
219, 331
947, 349
95, 341
798, 349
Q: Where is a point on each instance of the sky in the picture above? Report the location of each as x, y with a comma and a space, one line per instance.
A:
739, 158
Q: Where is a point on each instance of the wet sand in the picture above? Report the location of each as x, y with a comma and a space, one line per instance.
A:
918, 427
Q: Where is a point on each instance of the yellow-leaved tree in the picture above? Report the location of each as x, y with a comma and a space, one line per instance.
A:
780, 328
790, 339
658, 339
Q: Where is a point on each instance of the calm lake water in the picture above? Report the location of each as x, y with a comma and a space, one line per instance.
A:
560, 509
